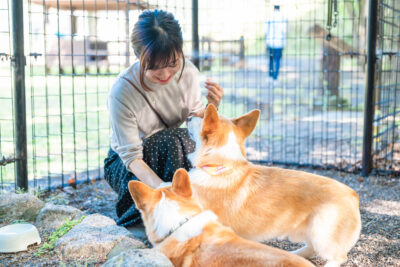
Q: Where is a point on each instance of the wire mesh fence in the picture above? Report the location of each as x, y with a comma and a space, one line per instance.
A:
311, 110
77, 48
386, 144
6, 98
312, 114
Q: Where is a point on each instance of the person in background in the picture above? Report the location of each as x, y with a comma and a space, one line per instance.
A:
147, 104
276, 30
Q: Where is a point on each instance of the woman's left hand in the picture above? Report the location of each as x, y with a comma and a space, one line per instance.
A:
215, 93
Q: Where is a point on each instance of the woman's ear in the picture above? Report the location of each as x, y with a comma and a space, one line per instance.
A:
181, 183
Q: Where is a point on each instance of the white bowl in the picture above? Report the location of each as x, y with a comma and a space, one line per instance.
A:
17, 237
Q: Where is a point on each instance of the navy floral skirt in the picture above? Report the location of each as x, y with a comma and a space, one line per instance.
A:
164, 152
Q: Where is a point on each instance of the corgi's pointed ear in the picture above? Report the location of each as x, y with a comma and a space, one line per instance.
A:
140, 192
211, 119
247, 122
181, 183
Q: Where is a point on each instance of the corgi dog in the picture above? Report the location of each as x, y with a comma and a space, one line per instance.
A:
189, 236
260, 203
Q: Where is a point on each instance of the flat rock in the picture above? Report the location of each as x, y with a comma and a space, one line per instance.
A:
61, 198
53, 216
126, 243
139, 258
94, 238
19, 207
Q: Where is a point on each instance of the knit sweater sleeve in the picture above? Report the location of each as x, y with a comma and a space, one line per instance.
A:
125, 131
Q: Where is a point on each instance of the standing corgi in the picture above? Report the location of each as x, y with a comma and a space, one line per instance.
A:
261, 203
189, 236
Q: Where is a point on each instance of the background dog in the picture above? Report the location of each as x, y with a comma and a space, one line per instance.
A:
260, 203
188, 236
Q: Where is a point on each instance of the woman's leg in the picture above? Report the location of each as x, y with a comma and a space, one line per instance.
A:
271, 61
278, 56
118, 177
164, 152
167, 150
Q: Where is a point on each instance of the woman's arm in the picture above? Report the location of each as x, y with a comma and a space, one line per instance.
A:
144, 173
125, 130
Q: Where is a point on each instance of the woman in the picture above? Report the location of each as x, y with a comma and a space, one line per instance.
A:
147, 104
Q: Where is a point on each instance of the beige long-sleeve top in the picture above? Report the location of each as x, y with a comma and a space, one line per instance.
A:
132, 119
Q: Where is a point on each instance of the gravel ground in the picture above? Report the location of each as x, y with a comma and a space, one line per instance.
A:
379, 243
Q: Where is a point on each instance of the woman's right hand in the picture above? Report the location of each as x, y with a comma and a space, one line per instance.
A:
144, 173
215, 93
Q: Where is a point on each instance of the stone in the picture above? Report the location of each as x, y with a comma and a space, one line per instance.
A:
93, 239
61, 198
139, 258
19, 207
125, 244
53, 216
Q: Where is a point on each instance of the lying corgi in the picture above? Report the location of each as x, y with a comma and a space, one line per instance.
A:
189, 236
261, 203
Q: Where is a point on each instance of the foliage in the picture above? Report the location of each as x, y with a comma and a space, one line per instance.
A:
48, 247
20, 190
18, 221
37, 192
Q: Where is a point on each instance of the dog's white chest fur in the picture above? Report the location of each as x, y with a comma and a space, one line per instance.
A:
199, 177
195, 226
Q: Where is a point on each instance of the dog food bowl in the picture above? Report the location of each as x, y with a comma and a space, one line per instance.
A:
17, 237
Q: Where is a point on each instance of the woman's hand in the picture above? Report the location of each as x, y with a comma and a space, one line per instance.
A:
144, 173
215, 93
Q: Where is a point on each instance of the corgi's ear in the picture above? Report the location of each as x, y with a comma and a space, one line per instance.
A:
140, 193
247, 122
211, 120
181, 183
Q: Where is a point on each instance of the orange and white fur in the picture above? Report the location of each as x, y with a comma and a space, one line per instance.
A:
261, 203
189, 236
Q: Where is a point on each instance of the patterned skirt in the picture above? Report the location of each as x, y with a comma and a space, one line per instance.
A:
164, 152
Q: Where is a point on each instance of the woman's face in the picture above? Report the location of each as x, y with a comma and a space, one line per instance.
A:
163, 75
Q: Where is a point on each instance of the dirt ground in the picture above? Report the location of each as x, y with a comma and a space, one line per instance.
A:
379, 243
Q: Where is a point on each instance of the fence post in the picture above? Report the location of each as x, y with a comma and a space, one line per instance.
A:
369, 104
18, 64
195, 33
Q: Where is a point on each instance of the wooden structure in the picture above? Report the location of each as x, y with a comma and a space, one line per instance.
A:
85, 52
93, 5
229, 51
333, 50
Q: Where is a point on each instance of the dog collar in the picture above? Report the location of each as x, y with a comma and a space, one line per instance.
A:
201, 219
214, 169
173, 230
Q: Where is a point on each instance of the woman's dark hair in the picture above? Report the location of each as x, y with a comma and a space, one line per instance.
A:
157, 41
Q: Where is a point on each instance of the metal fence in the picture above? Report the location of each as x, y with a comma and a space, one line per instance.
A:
7, 140
386, 139
313, 114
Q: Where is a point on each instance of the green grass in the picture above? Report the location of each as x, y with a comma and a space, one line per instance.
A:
74, 124
48, 246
